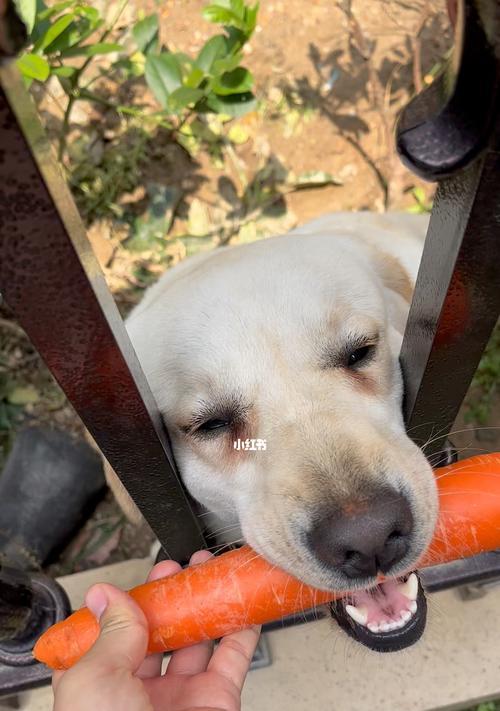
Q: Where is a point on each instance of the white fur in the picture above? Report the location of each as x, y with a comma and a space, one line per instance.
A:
253, 321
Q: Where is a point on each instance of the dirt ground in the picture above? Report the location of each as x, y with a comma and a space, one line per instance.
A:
330, 79
347, 77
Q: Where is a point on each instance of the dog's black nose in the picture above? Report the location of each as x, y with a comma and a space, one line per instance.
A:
364, 537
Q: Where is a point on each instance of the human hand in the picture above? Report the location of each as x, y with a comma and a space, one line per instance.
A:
116, 675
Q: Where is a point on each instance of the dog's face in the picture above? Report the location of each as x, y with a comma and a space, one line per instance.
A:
292, 343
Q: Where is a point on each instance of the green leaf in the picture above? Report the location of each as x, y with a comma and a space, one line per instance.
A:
182, 97
27, 10
314, 179
215, 13
41, 26
49, 12
214, 49
75, 34
251, 17
233, 105
226, 64
163, 75
238, 7
184, 61
91, 50
33, 67
194, 78
91, 13
54, 31
419, 194
65, 72
26, 395
238, 81
236, 38
146, 33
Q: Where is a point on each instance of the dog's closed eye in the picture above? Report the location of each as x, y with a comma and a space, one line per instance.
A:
357, 352
216, 418
213, 426
360, 354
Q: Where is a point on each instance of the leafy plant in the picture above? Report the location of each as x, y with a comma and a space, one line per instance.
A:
486, 382
212, 82
488, 706
13, 398
422, 205
97, 184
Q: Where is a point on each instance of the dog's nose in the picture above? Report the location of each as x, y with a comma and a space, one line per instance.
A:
363, 538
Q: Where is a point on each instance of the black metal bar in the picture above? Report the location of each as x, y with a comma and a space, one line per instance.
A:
480, 568
50, 279
456, 302
445, 127
457, 295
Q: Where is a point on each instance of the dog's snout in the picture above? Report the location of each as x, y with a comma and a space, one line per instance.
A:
362, 538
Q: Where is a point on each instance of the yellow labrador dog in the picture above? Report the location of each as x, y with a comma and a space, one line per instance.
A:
275, 367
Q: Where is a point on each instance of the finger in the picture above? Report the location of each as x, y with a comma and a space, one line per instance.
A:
56, 678
163, 570
151, 666
192, 660
233, 656
200, 557
123, 638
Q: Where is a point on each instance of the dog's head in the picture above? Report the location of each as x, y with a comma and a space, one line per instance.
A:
293, 343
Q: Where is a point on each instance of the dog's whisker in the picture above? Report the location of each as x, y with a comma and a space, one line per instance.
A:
472, 430
219, 547
225, 529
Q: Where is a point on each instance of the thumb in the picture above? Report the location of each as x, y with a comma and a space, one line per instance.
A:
123, 639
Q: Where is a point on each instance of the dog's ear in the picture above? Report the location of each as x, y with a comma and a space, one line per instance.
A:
392, 273
398, 288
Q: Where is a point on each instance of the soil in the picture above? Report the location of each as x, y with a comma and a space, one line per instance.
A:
331, 83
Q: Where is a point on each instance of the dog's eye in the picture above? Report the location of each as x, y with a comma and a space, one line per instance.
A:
358, 355
213, 425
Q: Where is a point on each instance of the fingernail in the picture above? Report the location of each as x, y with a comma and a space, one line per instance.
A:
199, 557
96, 600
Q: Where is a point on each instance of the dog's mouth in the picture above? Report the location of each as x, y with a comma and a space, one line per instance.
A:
386, 618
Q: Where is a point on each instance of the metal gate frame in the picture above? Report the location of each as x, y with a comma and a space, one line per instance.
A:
50, 279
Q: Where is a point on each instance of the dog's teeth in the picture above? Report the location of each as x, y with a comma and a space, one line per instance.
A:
405, 616
398, 624
413, 607
374, 627
384, 627
410, 587
358, 614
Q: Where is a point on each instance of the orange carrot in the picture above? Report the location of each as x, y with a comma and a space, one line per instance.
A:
240, 588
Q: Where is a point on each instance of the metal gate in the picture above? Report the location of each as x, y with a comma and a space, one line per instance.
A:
50, 279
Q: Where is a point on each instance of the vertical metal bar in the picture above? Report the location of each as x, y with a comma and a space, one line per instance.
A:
451, 132
51, 280
457, 299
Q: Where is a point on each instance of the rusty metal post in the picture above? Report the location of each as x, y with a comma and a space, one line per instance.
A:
50, 279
